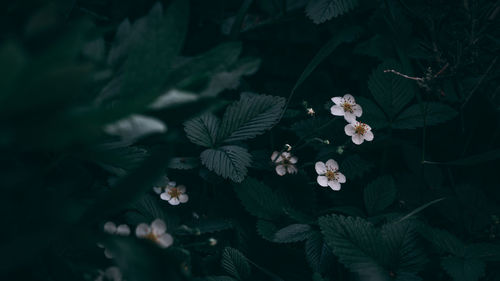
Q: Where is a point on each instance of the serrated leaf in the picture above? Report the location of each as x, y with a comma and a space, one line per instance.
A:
229, 161
252, 115
354, 241
369, 251
434, 113
354, 166
320, 11
260, 200
391, 92
443, 240
292, 233
235, 263
379, 194
463, 269
202, 130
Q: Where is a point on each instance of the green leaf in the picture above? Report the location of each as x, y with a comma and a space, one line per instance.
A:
218, 278
373, 252
463, 269
266, 230
342, 36
229, 161
320, 11
354, 241
202, 130
391, 92
379, 194
443, 240
483, 251
152, 53
434, 113
252, 115
235, 263
353, 166
372, 114
260, 200
292, 233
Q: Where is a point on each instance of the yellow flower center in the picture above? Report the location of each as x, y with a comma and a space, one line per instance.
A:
152, 237
347, 107
360, 129
330, 175
174, 192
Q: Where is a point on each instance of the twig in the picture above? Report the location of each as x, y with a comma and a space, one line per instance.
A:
404, 75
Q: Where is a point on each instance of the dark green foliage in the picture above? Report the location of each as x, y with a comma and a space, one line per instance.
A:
108, 107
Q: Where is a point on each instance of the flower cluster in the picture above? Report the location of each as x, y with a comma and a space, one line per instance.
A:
346, 106
113, 229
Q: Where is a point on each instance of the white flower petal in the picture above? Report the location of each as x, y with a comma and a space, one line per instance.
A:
110, 227
280, 159
332, 165
349, 129
157, 189
349, 117
274, 155
291, 169
322, 180
172, 184
174, 201
123, 230
165, 240
294, 159
165, 196
335, 185
367, 127
183, 198
340, 177
142, 230
337, 100
281, 170
357, 110
286, 155
158, 227
349, 98
320, 168
368, 135
357, 139
337, 110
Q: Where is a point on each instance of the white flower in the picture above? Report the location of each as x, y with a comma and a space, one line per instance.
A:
156, 232
284, 163
174, 194
310, 111
359, 132
346, 106
112, 273
329, 175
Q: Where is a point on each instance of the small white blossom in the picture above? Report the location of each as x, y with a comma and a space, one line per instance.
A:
359, 132
310, 111
346, 106
112, 273
156, 232
329, 175
174, 194
284, 163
